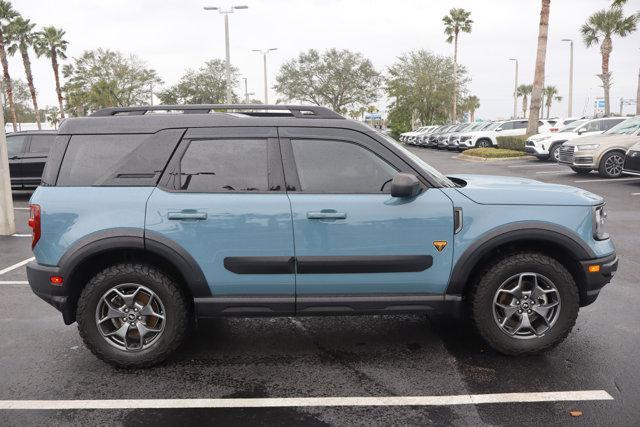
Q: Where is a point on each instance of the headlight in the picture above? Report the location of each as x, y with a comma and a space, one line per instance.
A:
599, 219
464, 138
543, 138
588, 147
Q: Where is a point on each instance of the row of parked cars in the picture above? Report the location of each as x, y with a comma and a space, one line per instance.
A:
608, 145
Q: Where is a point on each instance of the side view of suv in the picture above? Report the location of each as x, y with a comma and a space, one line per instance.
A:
146, 222
28, 151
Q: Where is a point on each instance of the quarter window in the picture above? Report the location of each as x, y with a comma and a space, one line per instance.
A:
507, 126
217, 166
41, 143
15, 144
326, 166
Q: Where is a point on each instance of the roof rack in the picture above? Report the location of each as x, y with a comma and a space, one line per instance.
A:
257, 110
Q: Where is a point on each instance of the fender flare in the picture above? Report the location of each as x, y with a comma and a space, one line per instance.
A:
514, 232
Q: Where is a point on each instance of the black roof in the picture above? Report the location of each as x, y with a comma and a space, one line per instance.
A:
150, 119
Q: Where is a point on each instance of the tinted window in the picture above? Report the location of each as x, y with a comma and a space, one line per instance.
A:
608, 124
592, 126
93, 158
520, 125
41, 143
15, 144
340, 167
215, 166
507, 126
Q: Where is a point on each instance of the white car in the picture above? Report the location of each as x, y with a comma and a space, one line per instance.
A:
488, 137
407, 136
547, 145
558, 123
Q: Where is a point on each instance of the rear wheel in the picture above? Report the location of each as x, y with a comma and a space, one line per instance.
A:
483, 143
611, 165
132, 315
525, 303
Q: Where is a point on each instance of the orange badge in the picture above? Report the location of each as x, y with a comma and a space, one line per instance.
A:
440, 244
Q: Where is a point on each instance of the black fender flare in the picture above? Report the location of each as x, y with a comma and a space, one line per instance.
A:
511, 233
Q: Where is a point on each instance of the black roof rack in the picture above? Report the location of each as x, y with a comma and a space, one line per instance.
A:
257, 110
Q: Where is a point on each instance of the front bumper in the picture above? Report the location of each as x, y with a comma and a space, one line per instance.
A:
595, 281
56, 295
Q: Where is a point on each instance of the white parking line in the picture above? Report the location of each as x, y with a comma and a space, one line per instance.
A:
21, 235
553, 172
14, 282
14, 266
275, 402
635, 194
21, 209
535, 165
607, 180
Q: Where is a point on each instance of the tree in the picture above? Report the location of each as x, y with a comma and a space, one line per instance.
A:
53, 116
550, 95
207, 85
457, 20
50, 43
524, 91
340, 79
599, 29
471, 104
21, 37
106, 78
7, 14
22, 103
421, 83
538, 80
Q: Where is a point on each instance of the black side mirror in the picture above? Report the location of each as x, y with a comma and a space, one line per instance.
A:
405, 185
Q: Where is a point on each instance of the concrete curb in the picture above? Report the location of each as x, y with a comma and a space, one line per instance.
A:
484, 159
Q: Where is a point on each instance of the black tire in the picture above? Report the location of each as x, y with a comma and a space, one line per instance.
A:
177, 314
611, 165
554, 153
482, 303
483, 143
581, 171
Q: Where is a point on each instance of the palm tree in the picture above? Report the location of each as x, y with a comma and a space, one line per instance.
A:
53, 116
538, 78
51, 44
471, 104
457, 20
20, 35
524, 91
551, 94
599, 29
7, 14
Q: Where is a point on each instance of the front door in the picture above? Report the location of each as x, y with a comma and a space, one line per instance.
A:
357, 248
222, 199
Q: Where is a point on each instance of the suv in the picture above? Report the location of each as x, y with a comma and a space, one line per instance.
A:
547, 145
28, 153
145, 222
604, 153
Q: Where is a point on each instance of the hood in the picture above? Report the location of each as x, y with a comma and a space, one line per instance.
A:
508, 190
622, 140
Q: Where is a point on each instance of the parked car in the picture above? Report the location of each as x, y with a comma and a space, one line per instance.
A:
558, 123
454, 138
407, 136
632, 161
547, 145
604, 153
423, 140
415, 140
433, 138
482, 138
443, 139
146, 222
28, 153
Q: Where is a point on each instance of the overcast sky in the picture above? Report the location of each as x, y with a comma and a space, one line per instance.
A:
172, 35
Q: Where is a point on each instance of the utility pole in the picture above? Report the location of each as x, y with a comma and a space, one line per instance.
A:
264, 66
246, 92
570, 111
515, 91
7, 220
226, 13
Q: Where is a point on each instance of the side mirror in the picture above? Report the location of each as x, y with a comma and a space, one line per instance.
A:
580, 131
499, 130
405, 185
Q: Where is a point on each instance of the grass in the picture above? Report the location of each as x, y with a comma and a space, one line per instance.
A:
493, 153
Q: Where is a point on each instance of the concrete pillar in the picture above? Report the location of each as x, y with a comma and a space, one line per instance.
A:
7, 220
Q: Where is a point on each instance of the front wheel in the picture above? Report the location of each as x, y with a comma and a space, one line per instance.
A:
554, 153
132, 315
525, 303
483, 143
611, 165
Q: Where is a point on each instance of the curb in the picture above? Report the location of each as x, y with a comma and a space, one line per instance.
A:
485, 159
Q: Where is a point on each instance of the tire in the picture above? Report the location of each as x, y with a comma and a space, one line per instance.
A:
611, 165
485, 294
581, 171
483, 143
137, 281
554, 153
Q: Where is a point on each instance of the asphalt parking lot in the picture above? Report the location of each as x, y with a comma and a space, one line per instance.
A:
317, 357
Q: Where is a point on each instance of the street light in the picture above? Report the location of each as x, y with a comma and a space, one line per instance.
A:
515, 91
264, 63
570, 75
246, 92
226, 13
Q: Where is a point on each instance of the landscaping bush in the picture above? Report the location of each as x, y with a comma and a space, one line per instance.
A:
493, 153
512, 142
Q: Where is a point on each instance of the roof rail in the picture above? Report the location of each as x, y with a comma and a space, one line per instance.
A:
258, 110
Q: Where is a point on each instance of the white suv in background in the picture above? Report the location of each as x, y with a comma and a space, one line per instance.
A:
547, 145
488, 136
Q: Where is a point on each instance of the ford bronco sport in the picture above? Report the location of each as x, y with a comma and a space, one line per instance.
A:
145, 222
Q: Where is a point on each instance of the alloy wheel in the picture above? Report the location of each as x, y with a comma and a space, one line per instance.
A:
613, 165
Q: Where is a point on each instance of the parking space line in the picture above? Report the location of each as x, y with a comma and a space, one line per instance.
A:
553, 172
635, 194
21, 235
14, 266
21, 209
543, 165
14, 282
607, 180
275, 402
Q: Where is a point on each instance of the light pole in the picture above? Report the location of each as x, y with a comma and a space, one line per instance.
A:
570, 75
226, 13
515, 90
264, 64
7, 219
246, 92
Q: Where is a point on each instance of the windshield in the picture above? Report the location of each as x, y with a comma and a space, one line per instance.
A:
433, 173
627, 127
572, 126
494, 126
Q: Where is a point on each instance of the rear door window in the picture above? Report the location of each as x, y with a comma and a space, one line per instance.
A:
608, 124
15, 145
507, 126
41, 144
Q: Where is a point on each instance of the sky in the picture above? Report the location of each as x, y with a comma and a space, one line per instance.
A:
174, 35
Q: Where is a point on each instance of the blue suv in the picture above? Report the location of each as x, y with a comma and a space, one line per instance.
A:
149, 218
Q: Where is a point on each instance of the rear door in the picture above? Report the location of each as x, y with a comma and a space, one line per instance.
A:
222, 200
35, 157
16, 144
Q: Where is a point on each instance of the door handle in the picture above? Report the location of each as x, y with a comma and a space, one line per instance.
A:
326, 215
187, 215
